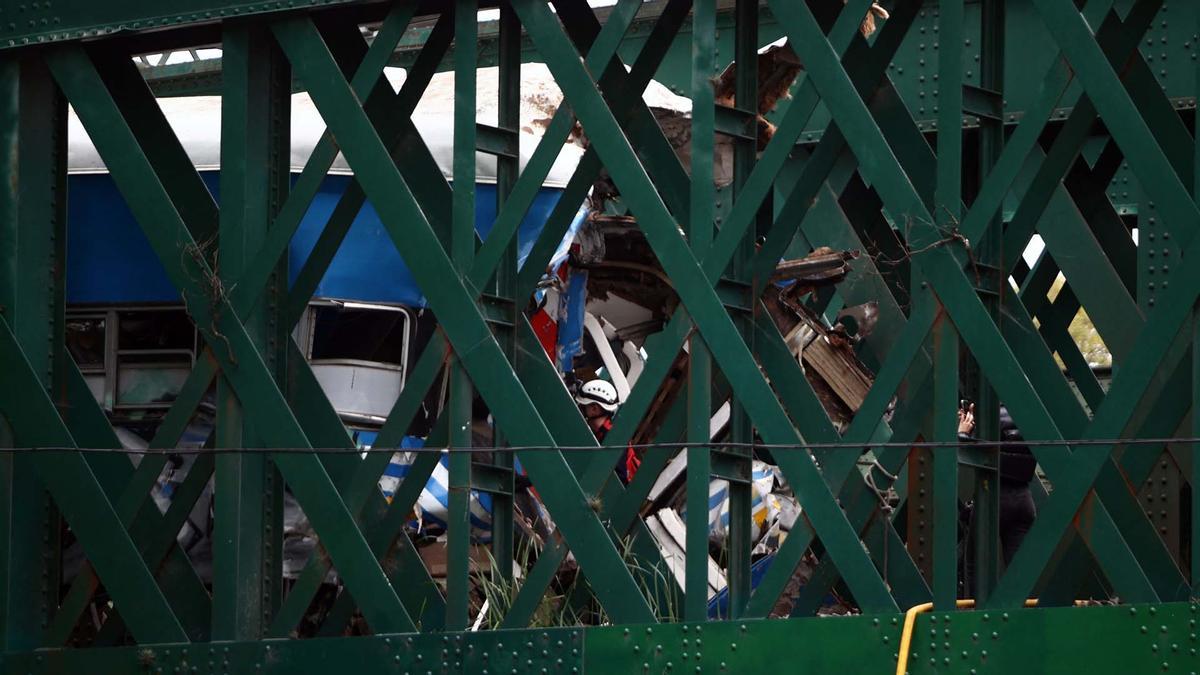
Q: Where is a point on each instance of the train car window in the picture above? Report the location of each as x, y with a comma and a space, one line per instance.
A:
169, 329
343, 333
155, 351
86, 342
150, 384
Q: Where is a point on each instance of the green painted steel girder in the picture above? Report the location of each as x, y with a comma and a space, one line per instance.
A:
1102, 640
938, 146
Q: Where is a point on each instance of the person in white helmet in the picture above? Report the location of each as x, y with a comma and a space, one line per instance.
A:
598, 401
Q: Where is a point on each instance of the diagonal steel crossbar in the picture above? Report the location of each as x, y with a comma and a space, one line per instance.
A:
247, 292
422, 376
1156, 351
484, 266
663, 347
165, 148
137, 99
1119, 39
1127, 126
797, 198
70, 480
154, 532
872, 64
1143, 541
940, 266
218, 323
460, 318
697, 293
1049, 370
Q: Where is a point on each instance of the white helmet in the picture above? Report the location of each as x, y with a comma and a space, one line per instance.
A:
600, 392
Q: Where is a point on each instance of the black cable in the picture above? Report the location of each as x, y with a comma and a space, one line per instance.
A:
860, 447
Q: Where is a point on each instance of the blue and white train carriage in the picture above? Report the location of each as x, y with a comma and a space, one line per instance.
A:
127, 328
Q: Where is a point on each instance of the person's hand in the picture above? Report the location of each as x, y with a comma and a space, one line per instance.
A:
966, 420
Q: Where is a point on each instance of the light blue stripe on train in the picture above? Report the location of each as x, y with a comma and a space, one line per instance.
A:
433, 506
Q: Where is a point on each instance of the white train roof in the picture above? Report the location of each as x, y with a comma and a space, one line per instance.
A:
197, 122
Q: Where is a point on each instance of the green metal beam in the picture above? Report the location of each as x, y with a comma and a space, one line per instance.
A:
459, 315
962, 641
727, 347
221, 328
35, 422
249, 493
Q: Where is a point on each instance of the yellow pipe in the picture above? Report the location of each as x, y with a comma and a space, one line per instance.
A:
910, 620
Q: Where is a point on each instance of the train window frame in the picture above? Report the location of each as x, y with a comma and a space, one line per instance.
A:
157, 358
310, 334
114, 354
104, 318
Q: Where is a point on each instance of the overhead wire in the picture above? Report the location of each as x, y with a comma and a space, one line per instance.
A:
723, 445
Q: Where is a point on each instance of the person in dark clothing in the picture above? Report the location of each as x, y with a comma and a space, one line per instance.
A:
1018, 467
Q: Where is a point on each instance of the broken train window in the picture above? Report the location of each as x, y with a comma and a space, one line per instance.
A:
354, 332
155, 351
